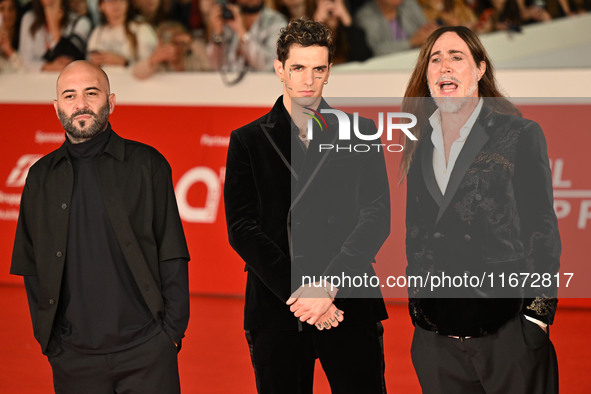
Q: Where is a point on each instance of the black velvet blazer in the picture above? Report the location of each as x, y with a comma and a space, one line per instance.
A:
291, 213
495, 217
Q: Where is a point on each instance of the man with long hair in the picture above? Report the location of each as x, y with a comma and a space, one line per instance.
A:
479, 204
293, 209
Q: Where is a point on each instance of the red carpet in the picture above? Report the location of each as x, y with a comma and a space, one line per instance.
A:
215, 356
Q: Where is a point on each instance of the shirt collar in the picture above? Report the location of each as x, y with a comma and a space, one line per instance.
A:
435, 121
116, 145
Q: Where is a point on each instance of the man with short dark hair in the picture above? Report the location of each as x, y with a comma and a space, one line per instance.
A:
101, 247
479, 205
294, 210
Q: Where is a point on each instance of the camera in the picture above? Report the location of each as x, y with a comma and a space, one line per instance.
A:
226, 13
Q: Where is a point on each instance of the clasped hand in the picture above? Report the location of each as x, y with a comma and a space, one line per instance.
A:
313, 304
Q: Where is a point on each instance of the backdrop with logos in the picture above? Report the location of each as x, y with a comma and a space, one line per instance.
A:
194, 139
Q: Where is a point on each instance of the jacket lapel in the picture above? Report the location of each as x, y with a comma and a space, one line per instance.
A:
277, 130
428, 172
474, 143
314, 158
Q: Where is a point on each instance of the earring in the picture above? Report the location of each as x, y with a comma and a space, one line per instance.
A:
281, 80
326, 82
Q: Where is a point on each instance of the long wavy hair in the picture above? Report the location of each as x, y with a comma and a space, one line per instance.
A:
16, 27
39, 21
129, 18
418, 87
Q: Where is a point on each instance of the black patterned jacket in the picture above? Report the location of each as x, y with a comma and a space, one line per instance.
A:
495, 219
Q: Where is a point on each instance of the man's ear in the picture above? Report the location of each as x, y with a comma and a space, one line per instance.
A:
55, 107
481, 69
112, 100
278, 66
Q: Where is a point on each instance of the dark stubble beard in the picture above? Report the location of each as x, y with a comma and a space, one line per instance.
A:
98, 123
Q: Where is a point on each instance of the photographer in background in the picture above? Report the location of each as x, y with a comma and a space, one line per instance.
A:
243, 36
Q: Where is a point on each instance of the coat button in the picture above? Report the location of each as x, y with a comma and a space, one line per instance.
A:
437, 235
331, 219
59, 253
467, 237
64, 206
478, 197
51, 301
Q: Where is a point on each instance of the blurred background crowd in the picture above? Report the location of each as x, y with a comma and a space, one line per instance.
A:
150, 36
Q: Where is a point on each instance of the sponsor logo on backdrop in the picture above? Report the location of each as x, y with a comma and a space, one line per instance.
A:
212, 180
214, 140
10, 196
10, 199
567, 199
42, 137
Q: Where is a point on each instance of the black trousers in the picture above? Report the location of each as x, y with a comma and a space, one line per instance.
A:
351, 357
518, 358
149, 368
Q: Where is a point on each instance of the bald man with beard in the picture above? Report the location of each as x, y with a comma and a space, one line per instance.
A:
101, 247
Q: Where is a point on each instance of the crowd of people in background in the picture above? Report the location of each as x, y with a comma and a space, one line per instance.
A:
150, 36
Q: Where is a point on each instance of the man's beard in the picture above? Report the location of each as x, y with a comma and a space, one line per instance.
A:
97, 125
454, 104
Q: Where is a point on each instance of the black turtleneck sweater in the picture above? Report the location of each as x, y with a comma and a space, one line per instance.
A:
102, 309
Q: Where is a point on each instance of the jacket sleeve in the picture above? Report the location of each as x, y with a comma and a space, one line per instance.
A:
32, 287
174, 276
262, 255
167, 225
538, 222
173, 255
23, 255
23, 252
